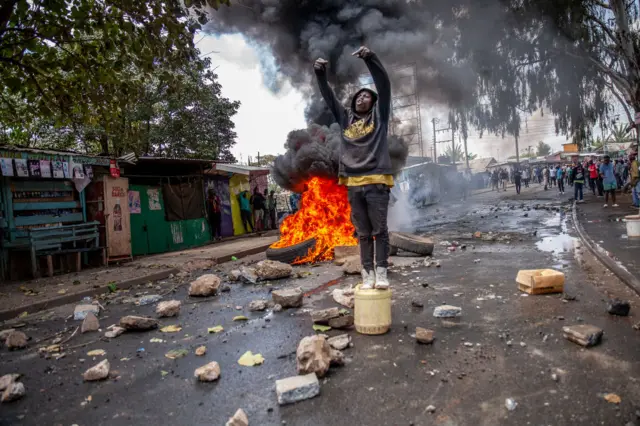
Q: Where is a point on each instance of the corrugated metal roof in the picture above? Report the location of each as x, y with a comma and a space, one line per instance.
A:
50, 151
239, 169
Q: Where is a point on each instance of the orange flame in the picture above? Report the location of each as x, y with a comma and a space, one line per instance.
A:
325, 214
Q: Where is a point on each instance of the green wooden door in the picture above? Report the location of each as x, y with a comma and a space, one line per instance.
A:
149, 230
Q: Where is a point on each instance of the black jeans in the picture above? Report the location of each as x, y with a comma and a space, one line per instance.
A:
245, 215
369, 206
518, 185
215, 222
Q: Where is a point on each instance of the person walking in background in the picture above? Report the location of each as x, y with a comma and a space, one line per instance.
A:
593, 176
504, 176
245, 211
570, 175
272, 209
545, 177
609, 182
525, 177
560, 180
517, 180
619, 170
214, 206
494, 180
578, 181
634, 176
553, 176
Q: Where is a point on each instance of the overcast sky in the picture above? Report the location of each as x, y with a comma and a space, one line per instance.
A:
265, 118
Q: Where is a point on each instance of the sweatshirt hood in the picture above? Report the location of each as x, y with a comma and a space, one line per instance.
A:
374, 97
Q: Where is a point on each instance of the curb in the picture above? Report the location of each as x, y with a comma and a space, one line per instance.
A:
631, 281
245, 253
76, 297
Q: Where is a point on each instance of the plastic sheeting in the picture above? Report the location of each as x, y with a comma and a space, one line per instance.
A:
237, 184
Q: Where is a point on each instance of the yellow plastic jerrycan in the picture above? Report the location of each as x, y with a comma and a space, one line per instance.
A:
372, 310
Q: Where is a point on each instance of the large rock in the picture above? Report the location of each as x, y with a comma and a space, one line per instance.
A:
323, 316
208, 373
619, 307
297, 388
99, 371
132, 322
13, 392
206, 285
352, 265
272, 270
81, 311
258, 305
344, 321
424, 335
447, 311
169, 308
341, 253
583, 334
7, 380
235, 275
16, 340
344, 297
288, 298
239, 419
337, 358
5, 333
339, 342
90, 323
313, 356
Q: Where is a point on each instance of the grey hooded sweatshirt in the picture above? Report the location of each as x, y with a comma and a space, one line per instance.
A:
364, 149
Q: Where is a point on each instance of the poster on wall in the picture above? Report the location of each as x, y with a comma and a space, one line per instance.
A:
65, 170
57, 170
78, 171
134, 202
21, 167
154, 199
7, 166
34, 168
45, 168
88, 170
117, 216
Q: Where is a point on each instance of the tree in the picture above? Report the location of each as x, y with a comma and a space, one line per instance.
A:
543, 149
471, 156
61, 59
456, 155
619, 134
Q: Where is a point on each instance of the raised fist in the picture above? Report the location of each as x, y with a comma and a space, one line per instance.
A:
362, 53
320, 64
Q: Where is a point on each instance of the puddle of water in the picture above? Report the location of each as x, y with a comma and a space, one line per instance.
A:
556, 244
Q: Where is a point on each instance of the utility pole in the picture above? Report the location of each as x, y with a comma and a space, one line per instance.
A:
453, 145
434, 121
466, 154
517, 152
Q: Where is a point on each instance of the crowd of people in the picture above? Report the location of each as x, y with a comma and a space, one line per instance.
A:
603, 177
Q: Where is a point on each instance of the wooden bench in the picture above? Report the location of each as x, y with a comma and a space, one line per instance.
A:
68, 239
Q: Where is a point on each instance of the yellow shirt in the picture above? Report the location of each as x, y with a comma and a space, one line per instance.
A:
367, 180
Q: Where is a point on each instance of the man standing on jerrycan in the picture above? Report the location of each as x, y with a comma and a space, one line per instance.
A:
365, 164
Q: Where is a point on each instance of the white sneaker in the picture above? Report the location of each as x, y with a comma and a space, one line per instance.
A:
382, 282
606, 205
368, 280
615, 205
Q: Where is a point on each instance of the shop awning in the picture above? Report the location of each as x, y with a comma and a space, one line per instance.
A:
222, 169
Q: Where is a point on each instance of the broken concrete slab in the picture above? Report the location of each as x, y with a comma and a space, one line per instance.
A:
99, 371
234, 275
337, 358
208, 373
206, 285
341, 253
258, 305
114, 332
248, 275
345, 297
352, 265
239, 419
273, 270
13, 392
7, 380
288, 298
169, 308
90, 323
344, 321
424, 335
16, 340
313, 356
297, 388
619, 307
80, 311
583, 334
149, 299
324, 315
447, 311
339, 342
5, 333
132, 322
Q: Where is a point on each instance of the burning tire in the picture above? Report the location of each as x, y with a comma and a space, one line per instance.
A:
411, 243
291, 253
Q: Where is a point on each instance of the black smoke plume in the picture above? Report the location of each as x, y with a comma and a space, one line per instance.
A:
315, 153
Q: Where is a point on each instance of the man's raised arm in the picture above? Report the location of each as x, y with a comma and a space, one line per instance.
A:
320, 67
380, 79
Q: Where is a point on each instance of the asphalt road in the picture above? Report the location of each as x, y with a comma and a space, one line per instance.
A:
389, 379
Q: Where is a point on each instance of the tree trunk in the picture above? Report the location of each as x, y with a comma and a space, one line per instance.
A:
104, 144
